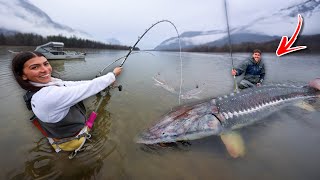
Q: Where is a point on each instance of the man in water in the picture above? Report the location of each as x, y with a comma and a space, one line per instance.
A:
253, 69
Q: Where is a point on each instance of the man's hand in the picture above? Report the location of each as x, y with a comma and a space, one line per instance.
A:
233, 72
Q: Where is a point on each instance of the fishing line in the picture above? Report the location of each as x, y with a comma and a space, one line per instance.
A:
230, 47
100, 72
103, 93
140, 37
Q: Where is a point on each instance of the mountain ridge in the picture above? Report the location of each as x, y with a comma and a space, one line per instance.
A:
262, 29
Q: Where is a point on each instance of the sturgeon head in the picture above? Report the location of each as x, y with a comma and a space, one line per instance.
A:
184, 123
315, 83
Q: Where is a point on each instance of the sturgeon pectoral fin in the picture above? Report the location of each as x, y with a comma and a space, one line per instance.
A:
234, 144
306, 106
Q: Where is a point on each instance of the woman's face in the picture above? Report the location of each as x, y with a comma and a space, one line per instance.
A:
37, 70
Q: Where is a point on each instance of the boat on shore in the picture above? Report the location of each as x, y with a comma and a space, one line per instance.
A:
55, 51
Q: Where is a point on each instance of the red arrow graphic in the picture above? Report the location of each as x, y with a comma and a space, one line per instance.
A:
285, 46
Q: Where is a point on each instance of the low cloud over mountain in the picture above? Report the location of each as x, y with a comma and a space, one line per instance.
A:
22, 16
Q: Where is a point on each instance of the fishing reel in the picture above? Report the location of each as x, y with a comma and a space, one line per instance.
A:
106, 91
119, 87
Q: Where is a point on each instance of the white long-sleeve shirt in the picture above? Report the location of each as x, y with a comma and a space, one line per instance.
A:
52, 103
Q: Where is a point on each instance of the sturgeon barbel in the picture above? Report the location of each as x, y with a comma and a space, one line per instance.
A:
219, 115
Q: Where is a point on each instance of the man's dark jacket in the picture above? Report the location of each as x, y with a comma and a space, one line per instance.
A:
253, 72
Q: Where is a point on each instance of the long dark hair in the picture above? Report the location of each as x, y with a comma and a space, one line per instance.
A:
17, 69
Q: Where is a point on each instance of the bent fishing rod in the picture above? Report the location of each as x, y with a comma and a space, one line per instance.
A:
146, 31
131, 49
230, 46
140, 37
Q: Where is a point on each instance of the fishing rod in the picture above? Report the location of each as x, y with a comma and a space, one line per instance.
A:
230, 46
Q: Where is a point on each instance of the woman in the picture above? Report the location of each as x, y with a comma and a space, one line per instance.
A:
56, 104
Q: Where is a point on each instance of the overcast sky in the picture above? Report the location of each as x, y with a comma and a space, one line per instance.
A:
125, 20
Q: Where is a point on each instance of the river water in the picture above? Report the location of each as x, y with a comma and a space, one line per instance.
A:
284, 145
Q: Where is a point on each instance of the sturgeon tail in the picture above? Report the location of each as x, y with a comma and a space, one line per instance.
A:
315, 83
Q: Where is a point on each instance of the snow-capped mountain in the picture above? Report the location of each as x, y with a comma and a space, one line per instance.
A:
267, 27
22, 16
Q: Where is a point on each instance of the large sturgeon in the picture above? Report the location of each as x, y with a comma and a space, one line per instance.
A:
220, 115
